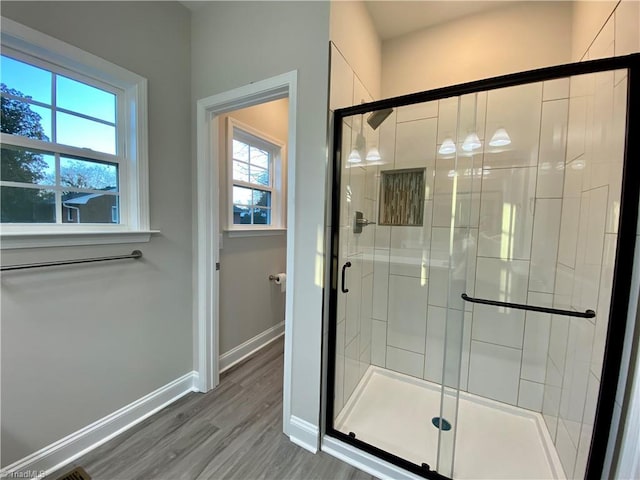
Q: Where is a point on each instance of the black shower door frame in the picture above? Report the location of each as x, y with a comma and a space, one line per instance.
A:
623, 269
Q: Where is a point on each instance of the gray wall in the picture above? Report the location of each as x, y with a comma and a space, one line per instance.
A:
278, 37
80, 342
249, 302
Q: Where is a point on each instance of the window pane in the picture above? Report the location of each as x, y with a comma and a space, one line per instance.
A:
240, 151
262, 216
45, 121
27, 205
240, 171
82, 98
241, 195
24, 80
87, 174
27, 166
259, 175
82, 133
262, 198
241, 215
79, 207
115, 211
25, 119
259, 157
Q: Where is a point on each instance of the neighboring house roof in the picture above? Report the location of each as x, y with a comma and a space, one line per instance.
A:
79, 198
83, 199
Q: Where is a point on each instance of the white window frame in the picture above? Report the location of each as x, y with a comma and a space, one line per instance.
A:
277, 169
132, 150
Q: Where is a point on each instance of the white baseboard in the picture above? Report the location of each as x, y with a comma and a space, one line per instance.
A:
303, 434
248, 348
69, 448
364, 461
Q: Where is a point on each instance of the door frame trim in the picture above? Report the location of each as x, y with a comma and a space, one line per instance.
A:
207, 224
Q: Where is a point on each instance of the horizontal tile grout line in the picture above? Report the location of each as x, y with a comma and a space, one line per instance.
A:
532, 381
505, 259
538, 291
407, 276
566, 266
574, 159
624, 77
494, 344
562, 419
448, 308
491, 168
416, 119
591, 189
405, 350
348, 344
555, 99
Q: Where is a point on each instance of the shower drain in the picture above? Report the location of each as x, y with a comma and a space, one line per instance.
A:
441, 423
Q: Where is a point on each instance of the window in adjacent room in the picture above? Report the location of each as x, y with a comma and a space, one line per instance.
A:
256, 195
73, 135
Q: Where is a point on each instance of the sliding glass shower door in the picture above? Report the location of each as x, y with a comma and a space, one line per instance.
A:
475, 235
402, 258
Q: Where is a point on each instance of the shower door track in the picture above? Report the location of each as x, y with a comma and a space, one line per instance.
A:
623, 269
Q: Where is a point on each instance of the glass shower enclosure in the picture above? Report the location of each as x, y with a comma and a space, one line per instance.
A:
482, 238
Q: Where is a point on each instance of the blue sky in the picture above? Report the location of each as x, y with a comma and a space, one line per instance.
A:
70, 95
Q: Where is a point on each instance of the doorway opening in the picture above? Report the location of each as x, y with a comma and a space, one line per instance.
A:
252, 248
245, 162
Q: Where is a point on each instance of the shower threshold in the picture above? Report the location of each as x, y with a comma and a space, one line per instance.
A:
394, 412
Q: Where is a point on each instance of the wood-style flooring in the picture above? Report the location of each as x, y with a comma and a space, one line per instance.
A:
232, 432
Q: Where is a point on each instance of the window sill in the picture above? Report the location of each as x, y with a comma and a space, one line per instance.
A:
255, 232
9, 240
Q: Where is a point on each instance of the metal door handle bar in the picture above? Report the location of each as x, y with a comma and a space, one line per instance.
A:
135, 254
531, 308
344, 276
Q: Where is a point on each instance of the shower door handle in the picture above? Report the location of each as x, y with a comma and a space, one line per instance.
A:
344, 277
531, 308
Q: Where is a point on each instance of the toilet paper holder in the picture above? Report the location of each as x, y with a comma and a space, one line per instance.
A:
278, 277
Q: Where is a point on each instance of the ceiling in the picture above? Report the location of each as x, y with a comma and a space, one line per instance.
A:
395, 18
194, 5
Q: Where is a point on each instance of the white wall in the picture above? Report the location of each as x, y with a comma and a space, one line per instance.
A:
356, 58
279, 37
80, 342
354, 320
353, 33
518, 37
249, 302
604, 29
355, 79
547, 34
586, 254
587, 20
504, 353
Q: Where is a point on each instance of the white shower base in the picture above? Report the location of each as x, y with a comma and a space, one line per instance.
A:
494, 440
